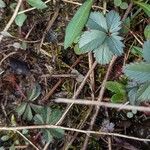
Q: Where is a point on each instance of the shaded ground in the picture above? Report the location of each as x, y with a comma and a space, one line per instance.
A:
21, 69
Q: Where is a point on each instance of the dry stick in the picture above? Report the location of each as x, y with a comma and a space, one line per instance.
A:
99, 99
27, 140
30, 9
59, 82
84, 147
50, 23
72, 129
11, 19
105, 104
76, 3
92, 83
77, 93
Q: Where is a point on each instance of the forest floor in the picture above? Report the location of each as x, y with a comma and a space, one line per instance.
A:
36, 72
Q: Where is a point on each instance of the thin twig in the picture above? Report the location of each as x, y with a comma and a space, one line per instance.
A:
76, 93
50, 23
72, 129
30, 9
105, 104
76, 3
11, 19
27, 140
59, 82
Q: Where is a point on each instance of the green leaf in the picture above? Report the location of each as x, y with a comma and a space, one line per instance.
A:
54, 116
126, 24
144, 92
102, 54
144, 6
146, 51
28, 113
115, 87
2, 4
137, 51
132, 94
91, 40
97, 21
117, 2
116, 46
5, 138
139, 72
47, 135
20, 19
147, 32
38, 119
77, 23
118, 98
37, 3
36, 91
124, 5
36, 108
57, 133
21, 108
113, 21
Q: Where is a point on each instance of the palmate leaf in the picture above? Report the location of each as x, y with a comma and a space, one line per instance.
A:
143, 93
97, 21
115, 44
102, 54
77, 23
91, 40
139, 72
146, 51
113, 21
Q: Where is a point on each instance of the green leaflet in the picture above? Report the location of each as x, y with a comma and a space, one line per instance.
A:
147, 32
102, 54
113, 21
48, 116
144, 92
91, 39
77, 23
139, 72
119, 91
146, 51
2, 4
20, 19
144, 6
97, 21
39, 4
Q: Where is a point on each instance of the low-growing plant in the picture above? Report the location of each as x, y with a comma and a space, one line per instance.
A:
26, 108
139, 73
119, 91
49, 117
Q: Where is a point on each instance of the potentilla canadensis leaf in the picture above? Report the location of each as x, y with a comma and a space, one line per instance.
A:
143, 93
102, 54
113, 21
97, 21
146, 51
139, 72
115, 45
77, 23
91, 40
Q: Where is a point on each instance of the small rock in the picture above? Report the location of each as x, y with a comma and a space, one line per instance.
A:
19, 67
